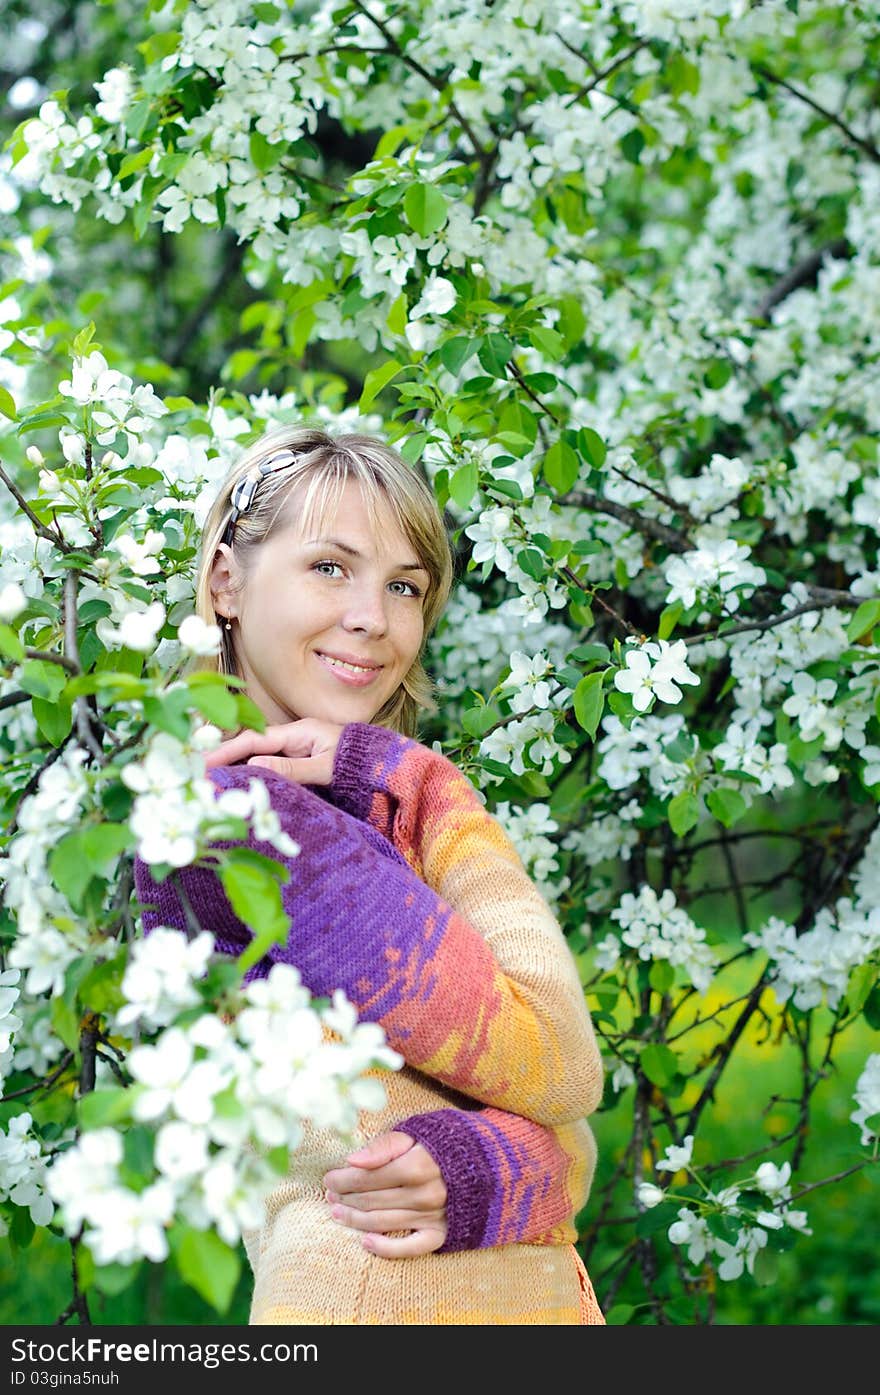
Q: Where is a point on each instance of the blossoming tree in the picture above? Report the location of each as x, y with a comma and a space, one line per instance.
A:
607, 273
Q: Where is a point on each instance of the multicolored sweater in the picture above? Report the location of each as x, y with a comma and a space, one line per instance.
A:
408, 895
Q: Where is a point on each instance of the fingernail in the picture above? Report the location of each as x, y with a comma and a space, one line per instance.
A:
336, 1212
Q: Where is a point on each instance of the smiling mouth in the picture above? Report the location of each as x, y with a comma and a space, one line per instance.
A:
346, 666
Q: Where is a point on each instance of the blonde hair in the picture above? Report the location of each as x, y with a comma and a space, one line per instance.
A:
324, 465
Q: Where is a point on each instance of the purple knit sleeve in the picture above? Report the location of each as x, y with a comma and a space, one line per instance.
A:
508, 1180
360, 759
362, 921
470, 1181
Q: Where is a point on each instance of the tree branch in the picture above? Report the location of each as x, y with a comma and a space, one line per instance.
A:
56, 538
191, 326
803, 274
84, 731
437, 83
774, 620
651, 527
604, 73
866, 145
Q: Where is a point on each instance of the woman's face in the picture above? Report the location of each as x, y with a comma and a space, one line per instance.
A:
325, 626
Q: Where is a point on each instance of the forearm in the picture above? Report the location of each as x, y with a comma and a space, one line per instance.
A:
363, 922
426, 807
507, 1179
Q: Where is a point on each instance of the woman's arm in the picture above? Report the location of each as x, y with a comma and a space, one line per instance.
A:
422, 803
507, 1178
363, 922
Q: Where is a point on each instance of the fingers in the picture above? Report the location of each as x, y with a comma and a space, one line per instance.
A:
308, 746
419, 1242
308, 771
381, 1150
424, 1199
256, 743
378, 1222
414, 1168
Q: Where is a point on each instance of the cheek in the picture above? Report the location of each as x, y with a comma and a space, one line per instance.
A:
412, 636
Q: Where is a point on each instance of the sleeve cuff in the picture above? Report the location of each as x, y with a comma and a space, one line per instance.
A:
360, 748
470, 1183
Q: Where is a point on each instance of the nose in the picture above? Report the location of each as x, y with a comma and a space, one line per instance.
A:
366, 611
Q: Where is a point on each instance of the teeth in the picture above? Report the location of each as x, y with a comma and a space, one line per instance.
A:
352, 668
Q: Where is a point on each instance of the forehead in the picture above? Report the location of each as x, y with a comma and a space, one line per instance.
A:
348, 512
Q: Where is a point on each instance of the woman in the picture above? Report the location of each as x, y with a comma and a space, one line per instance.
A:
327, 565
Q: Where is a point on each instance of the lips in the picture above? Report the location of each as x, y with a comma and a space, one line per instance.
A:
360, 677
350, 659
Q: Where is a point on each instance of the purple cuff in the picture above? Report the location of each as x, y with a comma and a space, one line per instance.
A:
470, 1182
360, 747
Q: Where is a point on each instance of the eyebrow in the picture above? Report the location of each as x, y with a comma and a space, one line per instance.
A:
353, 552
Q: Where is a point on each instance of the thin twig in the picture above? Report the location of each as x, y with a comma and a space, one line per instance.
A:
56, 538
83, 716
40, 1084
772, 621
867, 146
651, 527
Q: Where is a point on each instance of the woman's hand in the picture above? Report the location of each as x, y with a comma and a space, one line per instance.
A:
302, 751
392, 1184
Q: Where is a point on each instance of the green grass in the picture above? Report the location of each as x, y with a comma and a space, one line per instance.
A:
828, 1277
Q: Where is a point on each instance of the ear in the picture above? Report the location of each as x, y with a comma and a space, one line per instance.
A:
224, 581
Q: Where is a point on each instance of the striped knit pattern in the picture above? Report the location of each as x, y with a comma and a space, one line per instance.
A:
409, 897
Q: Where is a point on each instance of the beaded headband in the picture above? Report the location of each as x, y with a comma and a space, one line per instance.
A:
245, 491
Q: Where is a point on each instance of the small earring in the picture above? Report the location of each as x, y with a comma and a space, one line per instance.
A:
228, 625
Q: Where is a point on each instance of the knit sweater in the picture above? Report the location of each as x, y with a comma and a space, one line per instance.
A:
408, 896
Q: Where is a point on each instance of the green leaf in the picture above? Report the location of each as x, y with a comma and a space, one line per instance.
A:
661, 976
107, 1106
7, 404
669, 618
65, 1022
396, 320
592, 447
218, 705
572, 321
69, 868
53, 718
726, 805
376, 380
495, 352
464, 483
658, 1063
101, 989
10, 644
589, 702
561, 467
765, 1270
865, 618
861, 983
21, 1228
42, 679
263, 152
425, 209
871, 1009
456, 352
208, 1265
619, 1315
255, 896
549, 342
477, 720
169, 713
683, 812
248, 714
116, 1278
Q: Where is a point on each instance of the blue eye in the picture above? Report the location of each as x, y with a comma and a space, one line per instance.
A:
318, 565
413, 589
